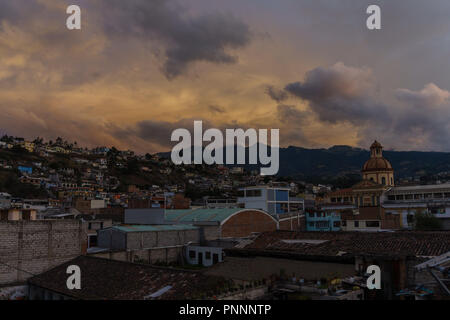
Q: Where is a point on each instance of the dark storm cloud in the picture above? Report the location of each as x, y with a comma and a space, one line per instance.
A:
187, 39
157, 132
131, 29
339, 93
160, 132
424, 116
293, 121
290, 114
275, 94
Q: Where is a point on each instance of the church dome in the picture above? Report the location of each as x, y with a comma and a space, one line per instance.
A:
376, 161
377, 169
377, 164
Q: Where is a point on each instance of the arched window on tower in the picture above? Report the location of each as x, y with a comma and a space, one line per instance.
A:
383, 180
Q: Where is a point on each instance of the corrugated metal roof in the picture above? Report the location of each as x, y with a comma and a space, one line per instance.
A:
149, 228
200, 214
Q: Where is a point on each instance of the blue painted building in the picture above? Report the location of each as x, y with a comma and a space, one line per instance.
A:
322, 221
23, 169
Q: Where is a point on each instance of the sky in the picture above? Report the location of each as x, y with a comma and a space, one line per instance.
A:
139, 69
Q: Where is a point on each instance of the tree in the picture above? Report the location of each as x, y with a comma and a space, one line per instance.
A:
38, 141
426, 221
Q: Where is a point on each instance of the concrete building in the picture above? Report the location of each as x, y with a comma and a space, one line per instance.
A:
147, 216
409, 200
93, 226
205, 256
89, 206
15, 214
139, 237
369, 219
5, 200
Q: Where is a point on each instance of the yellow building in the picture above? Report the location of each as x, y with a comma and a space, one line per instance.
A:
377, 168
29, 146
361, 205
375, 203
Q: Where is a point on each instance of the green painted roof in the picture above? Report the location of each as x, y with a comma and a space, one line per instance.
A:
148, 228
200, 215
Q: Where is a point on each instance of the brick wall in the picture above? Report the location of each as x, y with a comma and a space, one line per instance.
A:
246, 222
36, 246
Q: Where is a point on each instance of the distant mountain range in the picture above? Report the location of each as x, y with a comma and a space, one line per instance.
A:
342, 160
346, 161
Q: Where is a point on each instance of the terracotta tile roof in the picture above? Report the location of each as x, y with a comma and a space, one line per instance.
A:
403, 243
104, 279
340, 192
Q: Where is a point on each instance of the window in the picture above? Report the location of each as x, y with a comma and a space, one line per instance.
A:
311, 214
356, 224
253, 193
410, 218
208, 255
417, 196
322, 224
282, 195
383, 180
392, 197
372, 224
336, 224
408, 197
191, 254
344, 223
90, 226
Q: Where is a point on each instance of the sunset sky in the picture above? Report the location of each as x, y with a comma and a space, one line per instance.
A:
139, 69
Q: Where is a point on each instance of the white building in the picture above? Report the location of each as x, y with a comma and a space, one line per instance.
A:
409, 200
274, 200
